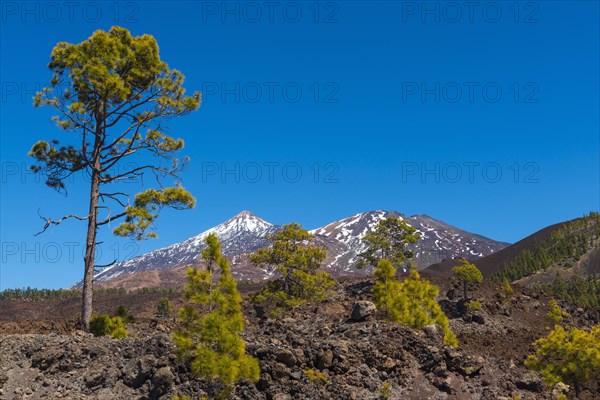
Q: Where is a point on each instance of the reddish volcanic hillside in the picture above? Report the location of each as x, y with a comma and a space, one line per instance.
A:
494, 263
440, 270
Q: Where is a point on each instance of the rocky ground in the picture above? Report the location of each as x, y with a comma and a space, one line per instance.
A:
357, 355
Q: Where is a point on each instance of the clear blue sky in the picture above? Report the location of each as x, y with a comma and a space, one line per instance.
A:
486, 118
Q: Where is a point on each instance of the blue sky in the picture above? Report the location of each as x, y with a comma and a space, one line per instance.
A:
485, 117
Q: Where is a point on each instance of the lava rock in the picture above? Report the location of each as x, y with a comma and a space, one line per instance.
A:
136, 374
530, 381
95, 376
281, 396
162, 380
478, 318
286, 357
434, 332
466, 366
324, 359
451, 294
362, 310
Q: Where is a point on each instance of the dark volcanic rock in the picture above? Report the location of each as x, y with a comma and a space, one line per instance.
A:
530, 381
362, 310
287, 358
312, 352
162, 381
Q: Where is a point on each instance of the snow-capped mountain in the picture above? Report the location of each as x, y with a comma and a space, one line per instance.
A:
242, 234
438, 240
245, 233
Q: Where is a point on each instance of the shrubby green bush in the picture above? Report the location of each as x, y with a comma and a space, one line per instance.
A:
163, 307
103, 325
124, 314
568, 355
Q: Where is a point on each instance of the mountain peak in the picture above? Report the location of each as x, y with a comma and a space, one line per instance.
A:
425, 216
244, 213
242, 221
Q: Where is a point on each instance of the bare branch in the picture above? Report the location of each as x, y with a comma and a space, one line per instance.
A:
138, 172
114, 196
100, 267
112, 161
126, 112
131, 97
49, 221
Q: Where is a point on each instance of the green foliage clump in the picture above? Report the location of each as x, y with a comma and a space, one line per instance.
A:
298, 262
556, 315
103, 325
507, 290
385, 391
388, 242
140, 216
473, 305
567, 355
124, 314
163, 307
411, 302
316, 375
468, 274
565, 245
209, 335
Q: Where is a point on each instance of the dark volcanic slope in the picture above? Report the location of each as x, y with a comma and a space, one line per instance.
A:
493, 263
440, 270
356, 358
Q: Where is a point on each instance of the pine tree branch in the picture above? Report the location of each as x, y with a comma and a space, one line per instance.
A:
110, 219
126, 111
114, 196
49, 221
139, 172
109, 163
115, 142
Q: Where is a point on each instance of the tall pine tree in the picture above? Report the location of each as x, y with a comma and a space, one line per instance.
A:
112, 93
411, 302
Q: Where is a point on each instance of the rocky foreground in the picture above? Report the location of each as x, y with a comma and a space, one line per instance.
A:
316, 352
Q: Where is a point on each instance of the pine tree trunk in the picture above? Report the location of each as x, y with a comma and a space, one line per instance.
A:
90, 249
90, 243
286, 283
